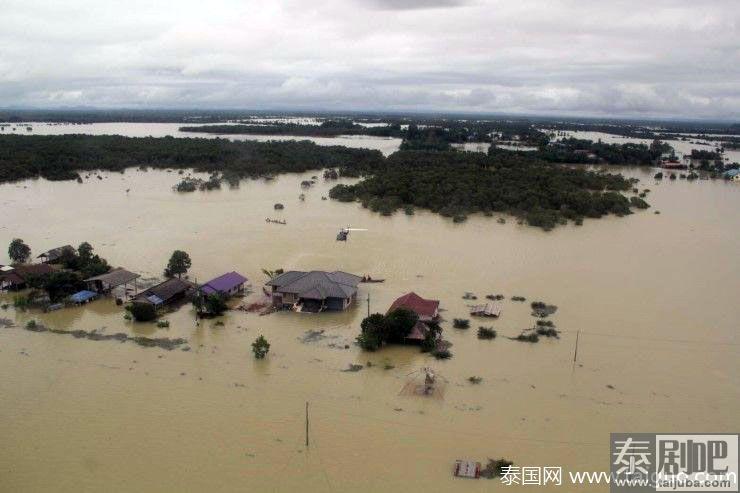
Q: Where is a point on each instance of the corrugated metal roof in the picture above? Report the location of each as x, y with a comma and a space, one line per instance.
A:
168, 289
154, 299
224, 283
55, 253
115, 277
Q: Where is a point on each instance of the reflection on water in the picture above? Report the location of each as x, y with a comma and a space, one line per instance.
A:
653, 297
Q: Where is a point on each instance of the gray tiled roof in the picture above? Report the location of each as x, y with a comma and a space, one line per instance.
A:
317, 284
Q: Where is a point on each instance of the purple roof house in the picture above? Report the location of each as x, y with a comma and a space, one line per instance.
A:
227, 284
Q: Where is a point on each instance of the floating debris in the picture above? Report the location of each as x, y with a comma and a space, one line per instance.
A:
352, 368
315, 336
518, 298
467, 469
469, 296
424, 382
475, 380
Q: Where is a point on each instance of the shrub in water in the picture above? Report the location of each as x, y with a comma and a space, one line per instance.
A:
442, 354
486, 333
495, 468
260, 347
143, 312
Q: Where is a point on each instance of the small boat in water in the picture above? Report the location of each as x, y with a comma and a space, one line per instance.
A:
370, 279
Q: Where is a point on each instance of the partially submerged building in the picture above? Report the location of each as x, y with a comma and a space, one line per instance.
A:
314, 291
105, 283
9, 278
54, 255
229, 284
17, 276
486, 310
427, 310
166, 293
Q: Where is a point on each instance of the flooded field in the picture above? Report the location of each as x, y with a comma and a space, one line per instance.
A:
386, 145
654, 298
680, 146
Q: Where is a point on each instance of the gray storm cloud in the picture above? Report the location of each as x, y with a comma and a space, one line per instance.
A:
621, 58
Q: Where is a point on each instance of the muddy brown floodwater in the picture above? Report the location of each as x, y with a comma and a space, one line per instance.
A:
654, 296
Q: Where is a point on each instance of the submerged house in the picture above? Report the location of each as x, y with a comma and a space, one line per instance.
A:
9, 278
166, 293
427, 311
486, 310
314, 291
17, 276
54, 255
229, 284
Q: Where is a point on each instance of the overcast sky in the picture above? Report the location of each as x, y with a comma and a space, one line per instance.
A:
647, 58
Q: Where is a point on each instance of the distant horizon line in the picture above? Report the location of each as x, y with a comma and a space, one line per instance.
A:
374, 112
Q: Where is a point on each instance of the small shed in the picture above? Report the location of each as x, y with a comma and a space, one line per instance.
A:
418, 333
487, 310
104, 283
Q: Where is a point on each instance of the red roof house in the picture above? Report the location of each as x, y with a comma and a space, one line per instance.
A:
428, 310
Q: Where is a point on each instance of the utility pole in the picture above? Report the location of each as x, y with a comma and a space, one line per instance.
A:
575, 353
368, 304
306, 424
197, 295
